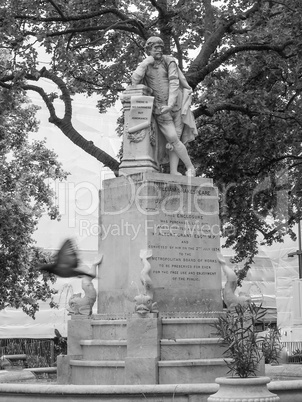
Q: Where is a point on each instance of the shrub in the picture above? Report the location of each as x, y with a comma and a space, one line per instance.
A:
237, 328
271, 345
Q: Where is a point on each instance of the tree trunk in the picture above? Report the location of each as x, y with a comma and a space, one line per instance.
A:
88, 146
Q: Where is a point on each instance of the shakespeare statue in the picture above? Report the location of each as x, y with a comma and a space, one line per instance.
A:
172, 99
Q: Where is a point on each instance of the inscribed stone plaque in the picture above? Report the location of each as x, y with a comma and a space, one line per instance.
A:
140, 113
177, 218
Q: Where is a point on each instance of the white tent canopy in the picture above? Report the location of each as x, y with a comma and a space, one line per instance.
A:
271, 279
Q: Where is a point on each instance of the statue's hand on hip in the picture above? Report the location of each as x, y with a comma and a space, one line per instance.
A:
165, 109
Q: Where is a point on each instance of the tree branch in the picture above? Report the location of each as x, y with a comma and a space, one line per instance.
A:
58, 9
80, 17
211, 110
105, 27
195, 77
213, 40
268, 235
116, 25
64, 124
179, 52
208, 19
156, 5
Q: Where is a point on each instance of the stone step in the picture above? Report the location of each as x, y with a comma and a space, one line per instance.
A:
109, 329
186, 328
104, 349
172, 328
194, 348
191, 371
96, 372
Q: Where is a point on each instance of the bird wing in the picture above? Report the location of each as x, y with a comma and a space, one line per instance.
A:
67, 257
67, 263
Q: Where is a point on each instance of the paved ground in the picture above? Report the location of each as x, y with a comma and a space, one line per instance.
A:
16, 376
284, 372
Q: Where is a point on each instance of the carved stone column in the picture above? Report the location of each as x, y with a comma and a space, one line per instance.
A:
140, 148
143, 349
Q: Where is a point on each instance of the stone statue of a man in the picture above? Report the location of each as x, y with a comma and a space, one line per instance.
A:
172, 98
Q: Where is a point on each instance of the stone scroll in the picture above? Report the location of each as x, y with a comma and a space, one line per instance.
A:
140, 113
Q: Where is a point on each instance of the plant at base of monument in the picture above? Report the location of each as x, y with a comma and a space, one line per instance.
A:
237, 329
271, 345
27, 168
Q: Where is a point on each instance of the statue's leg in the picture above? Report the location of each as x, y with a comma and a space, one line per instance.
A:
173, 157
182, 153
167, 126
174, 160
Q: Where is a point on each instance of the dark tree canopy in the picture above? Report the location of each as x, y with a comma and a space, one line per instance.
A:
242, 58
25, 167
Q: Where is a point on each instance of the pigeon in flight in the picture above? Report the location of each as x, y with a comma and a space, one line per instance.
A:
66, 262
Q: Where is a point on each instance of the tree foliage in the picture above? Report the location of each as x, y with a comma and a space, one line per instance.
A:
25, 168
241, 57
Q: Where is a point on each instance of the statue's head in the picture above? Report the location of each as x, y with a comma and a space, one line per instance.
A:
153, 40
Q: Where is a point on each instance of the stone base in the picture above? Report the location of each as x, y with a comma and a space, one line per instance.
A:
143, 350
176, 218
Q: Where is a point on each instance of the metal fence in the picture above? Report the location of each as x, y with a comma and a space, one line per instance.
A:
292, 347
39, 352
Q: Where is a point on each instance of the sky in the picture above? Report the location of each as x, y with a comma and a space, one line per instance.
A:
77, 197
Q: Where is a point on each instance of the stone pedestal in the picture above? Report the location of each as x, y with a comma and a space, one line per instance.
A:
79, 327
140, 148
177, 218
159, 237
143, 351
